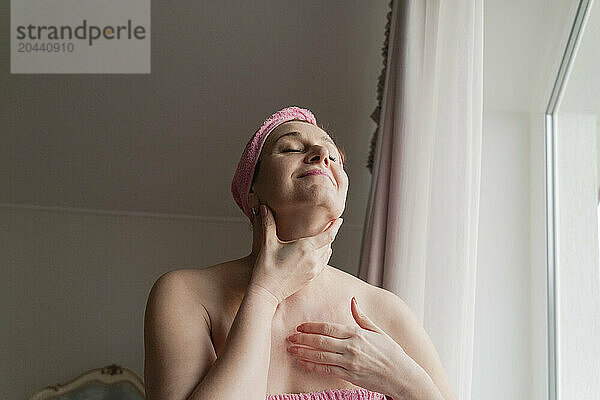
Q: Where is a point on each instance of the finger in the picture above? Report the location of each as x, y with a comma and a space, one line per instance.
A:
327, 236
268, 223
362, 319
326, 328
329, 255
325, 369
316, 355
255, 211
319, 342
257, 220
323, 251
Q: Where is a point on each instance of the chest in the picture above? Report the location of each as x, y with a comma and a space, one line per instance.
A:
285, 375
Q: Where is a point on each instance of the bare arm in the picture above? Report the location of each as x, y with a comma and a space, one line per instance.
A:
180, 361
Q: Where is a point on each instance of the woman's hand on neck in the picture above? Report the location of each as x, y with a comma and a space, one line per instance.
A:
292, 225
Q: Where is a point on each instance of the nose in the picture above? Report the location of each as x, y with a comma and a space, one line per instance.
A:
318, 154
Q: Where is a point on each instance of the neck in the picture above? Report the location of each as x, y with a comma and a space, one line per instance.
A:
291, 226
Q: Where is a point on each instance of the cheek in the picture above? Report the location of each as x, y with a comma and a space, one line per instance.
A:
342, 178
278, 173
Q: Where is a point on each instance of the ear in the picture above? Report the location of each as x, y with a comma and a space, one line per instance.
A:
253, 201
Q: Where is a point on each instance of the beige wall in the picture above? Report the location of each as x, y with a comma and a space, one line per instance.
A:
74, 284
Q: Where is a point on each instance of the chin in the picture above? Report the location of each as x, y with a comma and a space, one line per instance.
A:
317, 198
334, 211
329, 210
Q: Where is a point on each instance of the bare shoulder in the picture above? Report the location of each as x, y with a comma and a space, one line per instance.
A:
373, 297
388, 311
181, 282
178, 345
179, 287
193, 286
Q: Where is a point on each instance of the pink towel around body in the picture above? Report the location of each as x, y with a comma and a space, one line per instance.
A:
332, 394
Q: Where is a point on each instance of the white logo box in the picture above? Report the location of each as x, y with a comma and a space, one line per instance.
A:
80, 36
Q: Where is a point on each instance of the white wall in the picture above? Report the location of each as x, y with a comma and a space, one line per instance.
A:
578, 278
502, 353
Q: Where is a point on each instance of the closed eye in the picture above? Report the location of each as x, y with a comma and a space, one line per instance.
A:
295, 150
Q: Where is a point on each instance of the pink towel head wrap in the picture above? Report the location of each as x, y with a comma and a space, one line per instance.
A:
242, 179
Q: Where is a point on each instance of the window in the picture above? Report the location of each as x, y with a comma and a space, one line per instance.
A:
573, 184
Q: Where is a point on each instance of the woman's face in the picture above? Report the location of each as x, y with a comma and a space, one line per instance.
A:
291, 150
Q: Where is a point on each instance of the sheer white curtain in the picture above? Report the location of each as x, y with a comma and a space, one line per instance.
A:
420, 237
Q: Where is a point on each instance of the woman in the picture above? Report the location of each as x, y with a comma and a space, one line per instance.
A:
233, 330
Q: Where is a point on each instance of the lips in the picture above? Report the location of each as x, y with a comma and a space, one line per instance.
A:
317, 172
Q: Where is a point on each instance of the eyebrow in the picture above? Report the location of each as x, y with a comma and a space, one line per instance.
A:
295, 133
